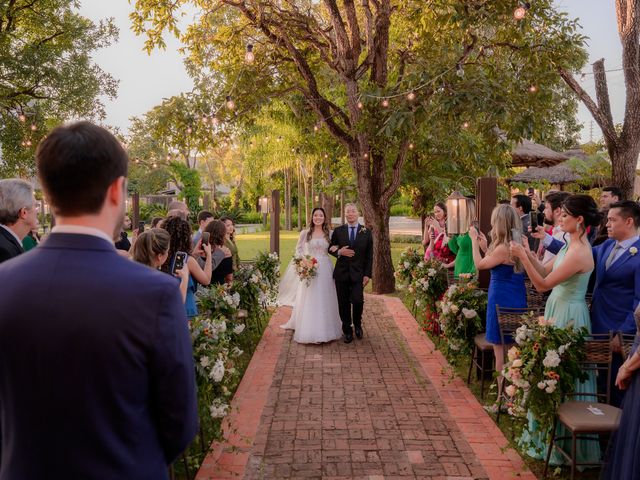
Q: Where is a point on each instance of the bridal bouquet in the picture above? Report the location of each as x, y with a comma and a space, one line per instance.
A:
306, 267
543, 366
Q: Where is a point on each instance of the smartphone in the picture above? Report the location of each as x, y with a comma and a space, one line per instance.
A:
516, 235
205, 238
140, 227
178, 262
534, 220
530, 191
475, 224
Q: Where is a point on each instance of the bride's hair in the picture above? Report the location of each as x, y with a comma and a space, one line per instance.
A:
325, 225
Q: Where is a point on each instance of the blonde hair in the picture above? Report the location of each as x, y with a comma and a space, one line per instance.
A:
150, 244
504, 218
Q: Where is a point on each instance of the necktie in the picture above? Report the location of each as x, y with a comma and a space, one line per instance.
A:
352, 235
612, 255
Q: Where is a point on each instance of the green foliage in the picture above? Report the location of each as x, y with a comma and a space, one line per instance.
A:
150, 210
47, 74
190, 182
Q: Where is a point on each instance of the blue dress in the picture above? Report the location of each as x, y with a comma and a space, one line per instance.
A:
507, 290
190, 301
623, 457
566, 305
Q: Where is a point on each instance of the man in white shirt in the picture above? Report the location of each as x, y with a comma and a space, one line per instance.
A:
552, 213
18, 216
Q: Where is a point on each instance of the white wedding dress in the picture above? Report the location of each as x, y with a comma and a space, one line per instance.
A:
315, 317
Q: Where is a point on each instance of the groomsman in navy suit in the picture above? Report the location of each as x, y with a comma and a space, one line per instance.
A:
617, 288
96, 369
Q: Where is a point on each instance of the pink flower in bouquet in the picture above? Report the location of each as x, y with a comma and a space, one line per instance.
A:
546, 321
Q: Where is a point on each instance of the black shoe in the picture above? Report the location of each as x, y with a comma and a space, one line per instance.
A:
348, 338
359, 333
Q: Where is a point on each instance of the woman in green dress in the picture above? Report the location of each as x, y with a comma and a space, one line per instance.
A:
230, 241
31, 240
568, 276
460, 246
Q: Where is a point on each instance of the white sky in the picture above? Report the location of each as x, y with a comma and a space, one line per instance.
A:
145, 80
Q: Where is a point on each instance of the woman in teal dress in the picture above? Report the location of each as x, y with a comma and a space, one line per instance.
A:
568, 277
461, 246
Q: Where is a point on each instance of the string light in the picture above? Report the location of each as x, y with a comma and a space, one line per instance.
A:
215, 121
28, 143
533, 89
459, 70
465, 125
249, 56
411, 96
22, 117
189, 130
360, 105
521, 11
385, 102
365, 156
316, 127
34, 127
230, 103
411, 146
155, 165
326, 156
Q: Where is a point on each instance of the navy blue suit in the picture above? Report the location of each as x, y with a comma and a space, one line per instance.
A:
96, 368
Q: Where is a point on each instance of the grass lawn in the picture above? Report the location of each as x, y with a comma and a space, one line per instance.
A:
250, 244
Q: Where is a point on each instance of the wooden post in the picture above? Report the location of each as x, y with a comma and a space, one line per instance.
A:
135, 209
206, 202
274, 238
486, 196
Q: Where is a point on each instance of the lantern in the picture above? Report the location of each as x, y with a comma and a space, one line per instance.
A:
457, 213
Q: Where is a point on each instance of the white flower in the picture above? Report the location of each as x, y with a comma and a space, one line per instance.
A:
542, 385
238, 329
469, 313
407, 264
218, 409
563, 348
254, 279
454, 308
551, 359
431, 272
420, 264
217, 372
511, 390
517, 363
205, 361
550, 389
236, 352
236, 299
633, 250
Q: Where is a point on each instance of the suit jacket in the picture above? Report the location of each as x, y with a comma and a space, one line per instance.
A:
9, 246
617, 290
96, 368
353, 269
526, 223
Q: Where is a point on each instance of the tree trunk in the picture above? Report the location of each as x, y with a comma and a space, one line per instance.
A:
623, 168
287, 201
383, 278
327, 202
299, 205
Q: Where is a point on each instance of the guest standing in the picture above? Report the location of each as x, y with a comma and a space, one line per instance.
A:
224, 270
18, 216
97, 376
506, 287
568, 276
123, 242
230, 241
31, 241
461, 247
204, 218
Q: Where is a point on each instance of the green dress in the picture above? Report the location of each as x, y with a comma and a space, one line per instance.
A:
566, 305
231, 245
28, 243
461, 247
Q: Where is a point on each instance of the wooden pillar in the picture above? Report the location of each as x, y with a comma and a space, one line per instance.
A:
486, 199
275, 222
135, 210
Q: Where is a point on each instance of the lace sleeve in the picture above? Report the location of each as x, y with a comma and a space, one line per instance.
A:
302, 240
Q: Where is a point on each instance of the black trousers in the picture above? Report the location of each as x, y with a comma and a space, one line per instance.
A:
350, 304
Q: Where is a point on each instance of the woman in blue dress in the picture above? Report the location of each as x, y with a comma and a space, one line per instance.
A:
568, 276
623, 459
506, 287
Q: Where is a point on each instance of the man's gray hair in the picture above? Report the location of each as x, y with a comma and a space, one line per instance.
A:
15, 194
351, 205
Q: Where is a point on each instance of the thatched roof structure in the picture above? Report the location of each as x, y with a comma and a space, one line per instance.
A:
531, 154
556, 175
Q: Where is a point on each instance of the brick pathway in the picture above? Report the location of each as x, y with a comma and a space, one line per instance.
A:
370, 410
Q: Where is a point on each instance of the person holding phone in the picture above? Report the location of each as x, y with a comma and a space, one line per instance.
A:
461, 247
223, 272
180, 233
568, 278
506, 287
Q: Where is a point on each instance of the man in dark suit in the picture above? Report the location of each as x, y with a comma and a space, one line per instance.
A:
18, 216
96, 368
352, 244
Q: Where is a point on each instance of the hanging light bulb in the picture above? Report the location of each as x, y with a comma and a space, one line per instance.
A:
155, 165
360, 105
459, 70
22, 117
205, 119
189, 130
316, 127
249, 56
411, 146
365, 156
215, 121
230, 103
411, 96
465, 125
521, 11
28, 142
326, 155
385, 103
34, 127
533, 89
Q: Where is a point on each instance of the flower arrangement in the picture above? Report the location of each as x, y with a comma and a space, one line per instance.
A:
429, 282
460, 312
306, 267
268, 265
409, 259
542, 367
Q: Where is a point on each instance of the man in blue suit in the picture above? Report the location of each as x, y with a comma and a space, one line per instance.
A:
617, 287
96, 368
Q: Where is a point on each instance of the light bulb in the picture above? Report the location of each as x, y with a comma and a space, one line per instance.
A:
249, 56
520, 12
360, 105
22, 117
533, 89
28, 143
155, 165
366, 155
215, 121
411, 96
326, 155
230, 103
411, 146
465, 125
385, 103
34, 127
189, 130
316, 127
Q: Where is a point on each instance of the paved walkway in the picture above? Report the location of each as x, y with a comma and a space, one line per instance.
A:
380, 408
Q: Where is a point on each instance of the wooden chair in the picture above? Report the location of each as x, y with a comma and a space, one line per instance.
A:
577, 415
509, 320
627, 340
481, 349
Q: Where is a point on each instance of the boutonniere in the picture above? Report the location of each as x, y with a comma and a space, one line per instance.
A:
363, 230
633, 250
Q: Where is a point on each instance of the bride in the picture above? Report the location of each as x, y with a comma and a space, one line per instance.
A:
315, 316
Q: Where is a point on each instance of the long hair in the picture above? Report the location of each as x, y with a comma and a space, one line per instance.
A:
218, 230
180, 233
224, 220
150, 244
325, 225
504, 218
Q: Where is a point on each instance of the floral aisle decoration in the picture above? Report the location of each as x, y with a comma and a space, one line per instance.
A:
428, 286
306, 267
460, 313
409, 259
543, 366
268, 264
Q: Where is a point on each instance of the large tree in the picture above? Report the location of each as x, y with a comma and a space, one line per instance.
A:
622, 144
46, 74
376, 71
